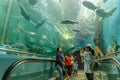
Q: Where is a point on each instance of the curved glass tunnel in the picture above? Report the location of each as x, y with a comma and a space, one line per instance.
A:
40, 26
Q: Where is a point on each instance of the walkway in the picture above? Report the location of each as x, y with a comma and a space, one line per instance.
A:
98, 75
81, 76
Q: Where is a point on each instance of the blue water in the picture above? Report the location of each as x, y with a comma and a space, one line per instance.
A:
34, 26
111, 25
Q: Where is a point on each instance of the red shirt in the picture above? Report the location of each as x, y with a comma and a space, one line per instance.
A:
68, 61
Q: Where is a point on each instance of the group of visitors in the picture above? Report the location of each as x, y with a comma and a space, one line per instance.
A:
68, 64
65, 65
71, 64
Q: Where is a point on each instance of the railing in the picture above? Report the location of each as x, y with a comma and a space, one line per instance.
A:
113, 54
108, 67
21, 52
31, 58
110, 58
8, 72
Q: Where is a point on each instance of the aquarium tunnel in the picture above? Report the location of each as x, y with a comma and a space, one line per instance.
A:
32, 30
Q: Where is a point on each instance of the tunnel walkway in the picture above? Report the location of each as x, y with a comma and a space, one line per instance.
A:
98, 75
79, 76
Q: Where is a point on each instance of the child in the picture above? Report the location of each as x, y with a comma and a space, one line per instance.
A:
75, 68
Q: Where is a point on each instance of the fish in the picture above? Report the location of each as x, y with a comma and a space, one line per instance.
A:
67, 21
23, 12
33, 2
29, 17
60, 1
105, 1
98, 11
112, 10
89, 5
40, 24
101, 13
18, 1
75, 30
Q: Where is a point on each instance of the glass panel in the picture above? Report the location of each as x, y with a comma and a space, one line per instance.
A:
8, 58
6, 61
33, 71
107, 71
40, 26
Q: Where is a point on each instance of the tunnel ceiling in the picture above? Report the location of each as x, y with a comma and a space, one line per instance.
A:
48, 24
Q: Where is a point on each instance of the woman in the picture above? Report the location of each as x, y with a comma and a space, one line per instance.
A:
88, 61
59, 63
68, 63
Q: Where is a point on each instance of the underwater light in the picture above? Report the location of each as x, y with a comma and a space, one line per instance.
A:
66, 36
33, 33
44, 36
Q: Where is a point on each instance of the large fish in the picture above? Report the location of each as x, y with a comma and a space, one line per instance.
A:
102, 13
99, 12
27, 16
105, 1
33, 2
76, 30
89, 5
24, 13
60, 1
69, 22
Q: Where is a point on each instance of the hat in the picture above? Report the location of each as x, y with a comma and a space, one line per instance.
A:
89, 45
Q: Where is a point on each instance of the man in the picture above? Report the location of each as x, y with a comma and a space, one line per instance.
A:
59, 63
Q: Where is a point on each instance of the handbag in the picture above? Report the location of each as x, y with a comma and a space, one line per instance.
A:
94, 66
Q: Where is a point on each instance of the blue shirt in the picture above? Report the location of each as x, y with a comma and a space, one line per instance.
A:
59, 59
75, 66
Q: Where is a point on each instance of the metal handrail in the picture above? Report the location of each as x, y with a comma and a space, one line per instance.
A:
114, 53
17, 63
22, 52
109, 59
